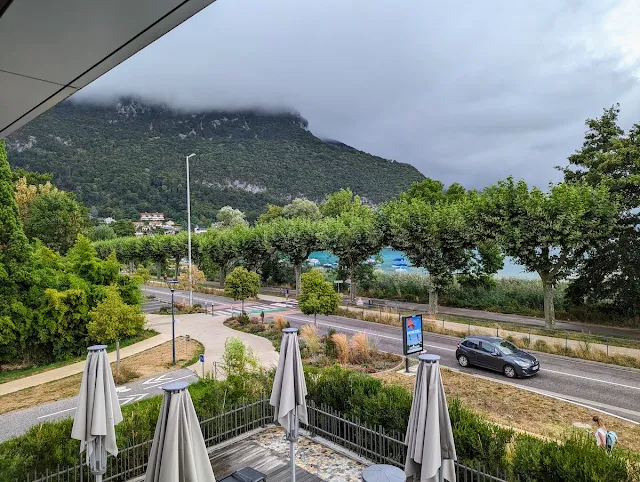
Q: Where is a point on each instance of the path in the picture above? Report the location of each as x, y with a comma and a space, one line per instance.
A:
78, 367
211, 332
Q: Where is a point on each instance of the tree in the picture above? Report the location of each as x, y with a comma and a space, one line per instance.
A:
484, 262
547, 233
113, 320
197, 277
610, 274
436, 234
101, 232
353, 237
339, 202
216, 247
26, 193
318, 296
15, 263
273, 212
297, 238
123, 228
228, 217
301, 208
242, 284
56, 219
432, 191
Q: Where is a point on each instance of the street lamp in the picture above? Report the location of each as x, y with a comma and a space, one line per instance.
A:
189, 234
172, 285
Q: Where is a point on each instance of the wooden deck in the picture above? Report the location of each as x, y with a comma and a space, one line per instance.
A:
246, 453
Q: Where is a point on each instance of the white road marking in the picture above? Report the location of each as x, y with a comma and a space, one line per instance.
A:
161, 379
164, 382
57, 413
591, 379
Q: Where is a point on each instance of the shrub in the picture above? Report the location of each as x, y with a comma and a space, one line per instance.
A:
342, 347
329, 345
279, 323
540, 345
238, 358
243, 319
577, 459
361, 347
309, 333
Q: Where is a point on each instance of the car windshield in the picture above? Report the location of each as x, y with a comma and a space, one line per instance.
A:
507, 348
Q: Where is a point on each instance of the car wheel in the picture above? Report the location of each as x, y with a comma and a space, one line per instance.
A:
463, 361
509, 371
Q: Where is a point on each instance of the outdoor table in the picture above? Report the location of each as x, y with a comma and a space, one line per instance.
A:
383, 473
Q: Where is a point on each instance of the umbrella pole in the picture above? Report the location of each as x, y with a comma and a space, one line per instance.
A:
293, 435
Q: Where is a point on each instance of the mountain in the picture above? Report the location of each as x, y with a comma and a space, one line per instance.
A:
129, 157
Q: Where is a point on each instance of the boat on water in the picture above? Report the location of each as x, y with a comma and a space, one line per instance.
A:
328, 265
401, 270
398, 259
399, 265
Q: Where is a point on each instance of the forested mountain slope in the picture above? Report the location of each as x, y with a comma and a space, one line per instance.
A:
129, 157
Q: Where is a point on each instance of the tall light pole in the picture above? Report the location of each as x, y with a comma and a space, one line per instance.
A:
172, 284
189, 229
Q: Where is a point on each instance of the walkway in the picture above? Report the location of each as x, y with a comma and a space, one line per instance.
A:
78, 367
211, 332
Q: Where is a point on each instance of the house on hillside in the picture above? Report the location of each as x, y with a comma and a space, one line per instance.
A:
151, 217
154, 223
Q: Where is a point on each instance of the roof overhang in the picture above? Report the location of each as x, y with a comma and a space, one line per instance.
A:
51, 49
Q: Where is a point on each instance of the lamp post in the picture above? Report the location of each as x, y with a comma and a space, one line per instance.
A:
189, 234
172, 285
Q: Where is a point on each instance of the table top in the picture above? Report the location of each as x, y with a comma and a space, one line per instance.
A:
383, 473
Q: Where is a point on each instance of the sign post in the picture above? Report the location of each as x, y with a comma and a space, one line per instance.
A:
202, 361
411, 337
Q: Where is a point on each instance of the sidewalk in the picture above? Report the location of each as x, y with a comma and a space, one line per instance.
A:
212, 333
78, 367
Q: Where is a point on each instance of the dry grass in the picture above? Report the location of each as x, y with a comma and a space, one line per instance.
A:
148, 363
342, 347
309, 333
361, 347
533, 413
279, 323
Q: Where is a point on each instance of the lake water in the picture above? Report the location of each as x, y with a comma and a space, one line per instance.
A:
389, 257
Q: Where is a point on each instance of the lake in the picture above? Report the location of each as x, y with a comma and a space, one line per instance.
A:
389, 257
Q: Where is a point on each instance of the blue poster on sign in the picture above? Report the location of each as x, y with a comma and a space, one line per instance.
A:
202, 357
412, 334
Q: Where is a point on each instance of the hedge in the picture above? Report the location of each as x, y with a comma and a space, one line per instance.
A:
48, 445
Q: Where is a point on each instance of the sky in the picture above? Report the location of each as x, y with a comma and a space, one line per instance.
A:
466, 91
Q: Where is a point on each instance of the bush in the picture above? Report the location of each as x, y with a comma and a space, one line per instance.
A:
329, 345
342, 347
243, 319
238, 358
577, 459
309, 334
361, 347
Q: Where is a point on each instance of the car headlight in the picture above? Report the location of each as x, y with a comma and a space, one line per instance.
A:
523, 364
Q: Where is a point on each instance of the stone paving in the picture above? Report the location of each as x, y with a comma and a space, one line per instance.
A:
313, 457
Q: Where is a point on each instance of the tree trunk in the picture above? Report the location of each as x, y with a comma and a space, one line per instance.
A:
549, 310
177, 268
118, 358
131, 267
298, 269
315, 319
242, 304
433, 302
223, 276
352, 288
159, 269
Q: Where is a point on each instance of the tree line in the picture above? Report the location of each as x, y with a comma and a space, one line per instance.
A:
584, 227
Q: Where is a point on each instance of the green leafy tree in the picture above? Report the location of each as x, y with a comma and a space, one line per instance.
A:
610, 274
318, 296
56, 219
112, 320
301, 208
339, 202
297, 238
432, 191
273, 212
548, 233
435, 235
242, 284
15, 263
484, 262
353, 237
216, 247
228, 217
101, 232
123, 228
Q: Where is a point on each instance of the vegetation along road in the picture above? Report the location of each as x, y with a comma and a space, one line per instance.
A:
596, 385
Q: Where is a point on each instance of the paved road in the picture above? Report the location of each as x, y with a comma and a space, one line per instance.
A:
605, 387
18, 422
518, 319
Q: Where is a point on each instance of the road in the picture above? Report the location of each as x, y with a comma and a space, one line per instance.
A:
18, 422
595, 385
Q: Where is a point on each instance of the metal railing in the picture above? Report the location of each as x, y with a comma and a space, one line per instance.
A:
372, 443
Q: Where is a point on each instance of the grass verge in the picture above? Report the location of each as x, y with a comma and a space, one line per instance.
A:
141, 365
10, 375
535, 414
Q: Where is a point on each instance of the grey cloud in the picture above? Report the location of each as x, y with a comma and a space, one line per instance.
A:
465, 91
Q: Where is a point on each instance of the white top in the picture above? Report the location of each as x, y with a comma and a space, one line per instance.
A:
604, 436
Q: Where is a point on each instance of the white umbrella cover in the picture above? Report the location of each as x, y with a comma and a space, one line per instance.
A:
289, 392
178, 452
431, 451
98, 411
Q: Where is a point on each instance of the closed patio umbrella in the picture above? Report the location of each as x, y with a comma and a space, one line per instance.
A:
431, 451
289, 392
98, 411
178, 452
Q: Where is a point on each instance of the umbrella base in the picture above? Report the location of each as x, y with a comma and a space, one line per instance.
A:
246, 474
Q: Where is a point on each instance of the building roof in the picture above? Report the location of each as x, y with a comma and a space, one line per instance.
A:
51, 49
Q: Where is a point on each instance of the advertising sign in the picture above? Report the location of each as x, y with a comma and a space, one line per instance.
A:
412, 334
